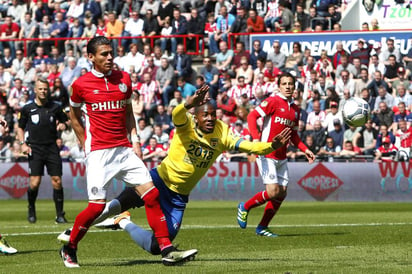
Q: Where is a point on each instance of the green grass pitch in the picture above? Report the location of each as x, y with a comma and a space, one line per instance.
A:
315, 237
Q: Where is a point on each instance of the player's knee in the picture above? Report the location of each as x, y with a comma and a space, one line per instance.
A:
56, 182
151, 197
128, 198
95, 209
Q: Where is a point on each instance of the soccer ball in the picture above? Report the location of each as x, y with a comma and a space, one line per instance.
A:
356, 112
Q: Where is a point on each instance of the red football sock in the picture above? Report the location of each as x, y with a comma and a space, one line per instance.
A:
156, 218
270, 211
83, 222
257, 200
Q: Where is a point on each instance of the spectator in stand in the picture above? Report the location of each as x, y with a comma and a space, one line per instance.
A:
70, 73
40, 57
75, 31
56, 59
374, 24
133, 27
333, 15
362, 52
336, 60
161, 137
162, 118
376, 83
255, 23
345, 83
365, 95
260, 68
294, 60
41, 9
240, 89
56, 9
401, 114
272, 15
331, 96
134, 60
358, 67
77, 153
5, 82
150, 25
89, 31
224, 57
362, 82
383, 115
383, 96
365, 139
179, 27
154, 151
407, 59
120, 59
286, 17
257, 53
59, 93
404, 140
302, 17
92, 11
114, 28
7, 60
27, 30
345, 65
329, 150
277, 57
211, 77
384, 132
195, 26
350, 133
166, 8
246, 71
151, 95
177, 99
182, 63
316, 115
401, 81
271, 72
322, 6
337, 133
9, 30
186, 88
332, 117
387, 151
240, 26
224, 23
150, 68
101, 29
59, 29
375, 65
349, 151
164, 80
76, 10
261, 6
403, 96
390, 50
152, 5
240, 52
64, 150
319, 134
227, 104
222, 3
144, 131
391, 73
27, 73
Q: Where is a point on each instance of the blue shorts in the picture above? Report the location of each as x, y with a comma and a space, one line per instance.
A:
172, 204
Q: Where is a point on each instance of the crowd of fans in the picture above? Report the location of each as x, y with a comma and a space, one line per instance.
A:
163, 74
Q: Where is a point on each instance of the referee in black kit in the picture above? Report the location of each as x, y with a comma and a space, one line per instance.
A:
39, 122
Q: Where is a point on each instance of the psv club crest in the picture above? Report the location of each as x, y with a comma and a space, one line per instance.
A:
123, 87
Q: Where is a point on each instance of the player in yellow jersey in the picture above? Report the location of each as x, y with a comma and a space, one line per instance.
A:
197, 142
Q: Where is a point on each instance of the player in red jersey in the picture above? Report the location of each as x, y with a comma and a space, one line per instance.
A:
103, 95
278, 112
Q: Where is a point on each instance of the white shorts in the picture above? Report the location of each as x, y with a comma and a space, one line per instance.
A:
273, 171
120, 163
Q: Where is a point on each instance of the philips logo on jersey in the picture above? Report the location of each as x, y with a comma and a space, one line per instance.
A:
110, 105
284, 121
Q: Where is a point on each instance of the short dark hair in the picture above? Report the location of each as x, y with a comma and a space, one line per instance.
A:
286, 74
95, 42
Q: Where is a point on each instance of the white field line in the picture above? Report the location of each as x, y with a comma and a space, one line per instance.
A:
184, 227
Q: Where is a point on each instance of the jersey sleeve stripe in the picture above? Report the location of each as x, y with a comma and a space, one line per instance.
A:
74, 104
238, 144
261, 112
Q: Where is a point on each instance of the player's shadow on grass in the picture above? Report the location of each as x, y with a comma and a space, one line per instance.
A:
314, 234
132, 263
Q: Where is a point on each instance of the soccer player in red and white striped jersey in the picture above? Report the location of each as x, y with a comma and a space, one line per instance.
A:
278, 112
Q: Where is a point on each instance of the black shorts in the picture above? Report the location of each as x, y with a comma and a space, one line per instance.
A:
45, 155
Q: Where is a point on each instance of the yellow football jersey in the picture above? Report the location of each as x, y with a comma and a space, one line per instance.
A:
192, 152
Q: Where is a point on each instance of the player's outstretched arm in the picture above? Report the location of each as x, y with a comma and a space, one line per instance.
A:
200, 97
263, 148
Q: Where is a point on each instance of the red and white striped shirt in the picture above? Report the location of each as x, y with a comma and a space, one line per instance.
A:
150, 93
